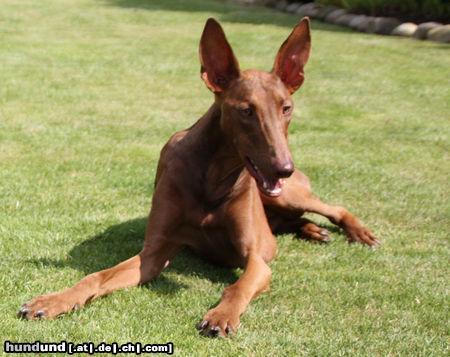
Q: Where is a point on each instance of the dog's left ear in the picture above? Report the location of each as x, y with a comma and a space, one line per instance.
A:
219, 65
293, 55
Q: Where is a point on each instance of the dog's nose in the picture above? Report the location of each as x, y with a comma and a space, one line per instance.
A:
284, 169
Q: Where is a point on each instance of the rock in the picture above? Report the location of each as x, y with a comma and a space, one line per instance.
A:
405, 29
325, 11
334, 15
293, 7
386, 25
345, 20
311, 9
423, 28
440, 34
382, 25
357, 21
282, 5
364, 23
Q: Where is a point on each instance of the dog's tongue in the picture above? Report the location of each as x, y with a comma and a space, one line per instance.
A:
269, 186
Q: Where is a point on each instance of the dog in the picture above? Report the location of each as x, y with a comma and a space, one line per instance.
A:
224, 186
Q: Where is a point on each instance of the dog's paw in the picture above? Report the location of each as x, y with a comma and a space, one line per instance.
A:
219, 323
363, 236
45, 306
312, 232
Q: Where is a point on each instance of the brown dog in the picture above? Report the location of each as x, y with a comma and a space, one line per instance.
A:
223, 186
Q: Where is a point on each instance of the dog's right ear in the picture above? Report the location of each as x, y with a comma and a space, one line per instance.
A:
219, 65
293, 56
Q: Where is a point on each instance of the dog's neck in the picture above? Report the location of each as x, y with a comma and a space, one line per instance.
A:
217, 157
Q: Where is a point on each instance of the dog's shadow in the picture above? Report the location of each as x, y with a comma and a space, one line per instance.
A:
124, 240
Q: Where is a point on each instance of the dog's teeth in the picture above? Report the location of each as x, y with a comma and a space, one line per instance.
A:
275, 191
265, 185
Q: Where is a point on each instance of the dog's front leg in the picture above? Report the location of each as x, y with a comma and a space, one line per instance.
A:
224, 319
297, 199
254, 242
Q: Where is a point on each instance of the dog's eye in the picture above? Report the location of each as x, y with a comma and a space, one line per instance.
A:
286, 109
247, 112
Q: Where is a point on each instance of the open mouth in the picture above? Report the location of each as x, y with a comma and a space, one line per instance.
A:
268, 186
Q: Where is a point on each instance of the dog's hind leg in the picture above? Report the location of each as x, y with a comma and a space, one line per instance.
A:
137, 270
155, 256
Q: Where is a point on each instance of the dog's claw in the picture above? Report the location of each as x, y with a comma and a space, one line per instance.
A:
40, 313
219, 332
201, 325
215, 331
23, 312
208, 330
326, 236
229, 331
377, 241
26, 312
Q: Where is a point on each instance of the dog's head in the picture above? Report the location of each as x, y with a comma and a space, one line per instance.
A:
256, 106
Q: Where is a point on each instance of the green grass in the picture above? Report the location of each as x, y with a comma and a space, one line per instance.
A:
91, 90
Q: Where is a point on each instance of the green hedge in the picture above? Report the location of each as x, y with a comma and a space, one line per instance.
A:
413, 9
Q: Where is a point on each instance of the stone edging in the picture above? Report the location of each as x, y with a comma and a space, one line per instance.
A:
433, 31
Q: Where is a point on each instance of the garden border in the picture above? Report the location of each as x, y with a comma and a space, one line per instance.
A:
381, 25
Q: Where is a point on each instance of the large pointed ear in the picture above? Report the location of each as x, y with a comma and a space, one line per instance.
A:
293, 55
219, 65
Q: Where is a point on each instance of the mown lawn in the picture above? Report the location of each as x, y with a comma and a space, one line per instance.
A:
91, 90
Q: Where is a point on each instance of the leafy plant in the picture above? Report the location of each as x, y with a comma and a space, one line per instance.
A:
421, 9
